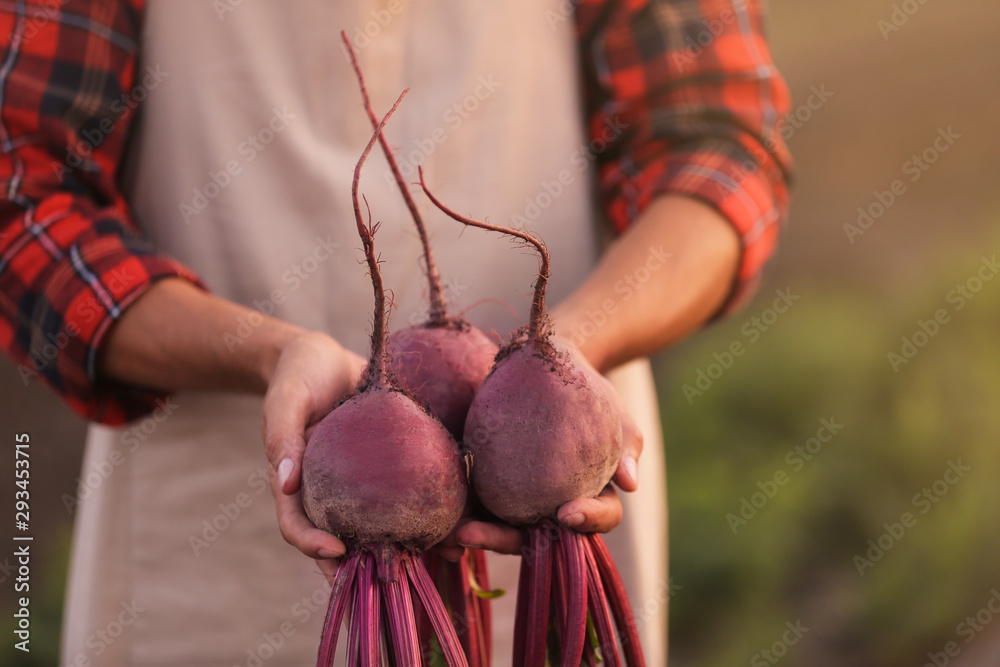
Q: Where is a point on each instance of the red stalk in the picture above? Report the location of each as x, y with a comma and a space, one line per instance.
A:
339, 598
438, 314
576, 597
376, 365
619, 601
399, 607
431, 601
371, 655
465, 613
479, 571
356, 633
599, 612
524, 602
537, 325
538, 608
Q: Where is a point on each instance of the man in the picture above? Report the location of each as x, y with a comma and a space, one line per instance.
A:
227, 132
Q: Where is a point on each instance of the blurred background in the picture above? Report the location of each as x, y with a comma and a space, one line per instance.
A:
832, 493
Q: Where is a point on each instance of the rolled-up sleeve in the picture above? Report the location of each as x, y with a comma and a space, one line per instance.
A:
683, 98
71, 256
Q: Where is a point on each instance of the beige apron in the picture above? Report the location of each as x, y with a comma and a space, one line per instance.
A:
242, 168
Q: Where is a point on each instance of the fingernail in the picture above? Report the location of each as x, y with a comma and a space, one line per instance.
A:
326, 553
284, 471
470, 545
631, 469
572, 520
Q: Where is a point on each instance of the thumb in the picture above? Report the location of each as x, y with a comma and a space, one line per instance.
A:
626, 476
283, 422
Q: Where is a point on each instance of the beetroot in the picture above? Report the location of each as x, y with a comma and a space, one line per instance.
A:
385, 476
543, 429
441, 363
536, 394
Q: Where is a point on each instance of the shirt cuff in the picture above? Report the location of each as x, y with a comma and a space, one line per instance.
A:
746, 187
85, 294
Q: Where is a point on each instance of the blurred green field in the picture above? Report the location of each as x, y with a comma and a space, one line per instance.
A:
788, 554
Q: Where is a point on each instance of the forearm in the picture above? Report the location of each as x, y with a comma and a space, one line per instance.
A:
175, 337
660, 280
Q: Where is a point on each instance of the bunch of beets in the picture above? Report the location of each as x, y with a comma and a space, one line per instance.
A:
443, 416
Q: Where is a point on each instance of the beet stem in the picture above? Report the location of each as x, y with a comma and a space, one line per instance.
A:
599, 612
536, 327
541, 590
399, 607
465, 616
367, 233
431, 601
524, 601
618, 598
339, 599
561, 593
355, 631
576, 580
371, 621
477, 559
438, 313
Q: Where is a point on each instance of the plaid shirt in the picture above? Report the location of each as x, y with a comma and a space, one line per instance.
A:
690, 81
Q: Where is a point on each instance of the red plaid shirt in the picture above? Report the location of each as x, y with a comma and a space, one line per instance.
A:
690, 81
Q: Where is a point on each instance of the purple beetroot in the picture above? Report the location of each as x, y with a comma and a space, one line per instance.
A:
543, 429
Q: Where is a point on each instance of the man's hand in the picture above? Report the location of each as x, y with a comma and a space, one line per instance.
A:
313, 373
173, 338
690, 254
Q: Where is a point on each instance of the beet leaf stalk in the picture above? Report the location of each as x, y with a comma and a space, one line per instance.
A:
388, 479
438, 314
544, 429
